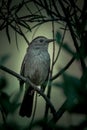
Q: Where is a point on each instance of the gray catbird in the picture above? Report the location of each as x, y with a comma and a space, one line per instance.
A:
35, 66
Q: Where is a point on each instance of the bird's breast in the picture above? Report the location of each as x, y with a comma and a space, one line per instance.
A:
37, 66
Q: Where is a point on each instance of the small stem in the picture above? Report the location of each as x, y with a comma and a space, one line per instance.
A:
51, 71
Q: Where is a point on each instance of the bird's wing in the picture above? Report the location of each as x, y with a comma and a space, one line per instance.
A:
27, 103
43, 86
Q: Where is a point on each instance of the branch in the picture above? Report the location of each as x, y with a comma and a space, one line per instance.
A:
51, 71
20, 77
60, 112
51, 13
66, 13
64, 69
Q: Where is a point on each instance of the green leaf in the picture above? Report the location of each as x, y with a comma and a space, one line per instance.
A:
19, 7
58, 37
4, 102
68, 49
25, 25
8, 107
9, 4
58, 84
16, 39
3, 82
4, 58
7, 33
14, 103
84, 81
71, 85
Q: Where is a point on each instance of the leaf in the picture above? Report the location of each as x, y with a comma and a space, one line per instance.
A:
3, 82
9, 4
46, 6
4, 102
68, 49
41, 2
4, 58
45, 2
19, 7
7, 33
84, 81
15, 103
16, 39
8, 107
56, 8
71, 86
2, 126
58, 84
25, 25
13, 107
58, 37
16, 29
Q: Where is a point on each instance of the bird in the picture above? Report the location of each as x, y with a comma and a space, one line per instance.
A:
35, 67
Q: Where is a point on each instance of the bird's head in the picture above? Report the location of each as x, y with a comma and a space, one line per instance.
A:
41, 41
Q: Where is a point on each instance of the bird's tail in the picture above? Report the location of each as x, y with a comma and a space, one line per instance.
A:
27, 104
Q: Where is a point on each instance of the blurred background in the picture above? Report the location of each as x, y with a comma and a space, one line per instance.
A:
35, 20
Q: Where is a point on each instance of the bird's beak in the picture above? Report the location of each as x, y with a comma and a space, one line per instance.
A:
50, 40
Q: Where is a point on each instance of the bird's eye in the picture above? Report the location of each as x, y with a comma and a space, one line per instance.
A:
41, 40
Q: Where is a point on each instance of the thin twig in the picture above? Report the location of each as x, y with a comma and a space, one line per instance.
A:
53, 56
56, 59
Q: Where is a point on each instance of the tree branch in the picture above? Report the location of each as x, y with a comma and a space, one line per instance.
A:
20, 77
60, 112
66, 13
